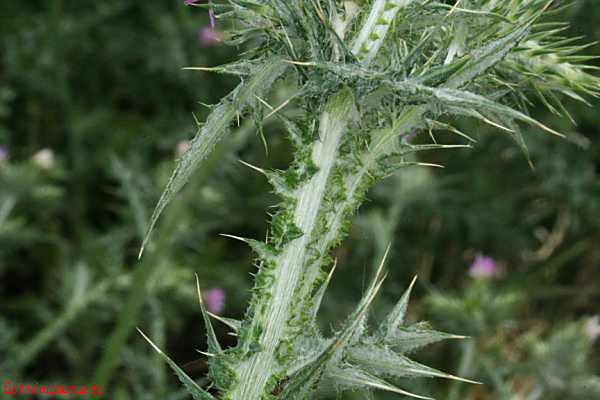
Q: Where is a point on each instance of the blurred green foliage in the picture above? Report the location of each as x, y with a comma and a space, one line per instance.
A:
101, 85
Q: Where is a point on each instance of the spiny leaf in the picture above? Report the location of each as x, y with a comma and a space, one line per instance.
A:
240, 68
234, 324
360, 324
406, 340
281, 186
465, 100
283, 229
354, 377
196, 391
433, 124
265, 251
395, 318
296, 132
490, 53
216, 126
437, 75
517, 137
318, 296
213, 344
304, 381
381, 360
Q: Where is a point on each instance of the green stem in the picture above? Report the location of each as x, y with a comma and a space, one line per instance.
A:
292, 282
254, 373
354, 185
469, 347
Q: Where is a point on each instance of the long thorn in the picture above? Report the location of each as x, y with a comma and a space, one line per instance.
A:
262, 171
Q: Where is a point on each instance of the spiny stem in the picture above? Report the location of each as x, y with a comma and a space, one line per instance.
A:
254, 373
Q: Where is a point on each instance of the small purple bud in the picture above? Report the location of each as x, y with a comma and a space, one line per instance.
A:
482, 266
210, 37
214, 300
182, 146
4, 154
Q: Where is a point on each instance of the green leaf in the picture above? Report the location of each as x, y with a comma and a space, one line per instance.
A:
196, 391
213, 344
217, 124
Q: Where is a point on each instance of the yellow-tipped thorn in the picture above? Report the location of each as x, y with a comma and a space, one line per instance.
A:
304, 64
263, 102
412, 283
218, 318
550, 130
383, 260
285, 103
199, 68
241, 239
205, 353
454, 8
458, 337
458, 378
487, 121
332, 269
404, 392
422, 164
262, 171
141, 251
459, 133
318, 11
198, 289
149, 341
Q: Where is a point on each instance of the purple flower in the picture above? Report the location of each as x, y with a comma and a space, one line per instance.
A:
482, 266
210, 37
210, 13
4, 154
214, 300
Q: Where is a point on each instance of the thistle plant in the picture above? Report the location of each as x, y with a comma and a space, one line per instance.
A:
371, 75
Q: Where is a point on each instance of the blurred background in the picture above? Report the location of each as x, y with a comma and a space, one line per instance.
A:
94, 111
